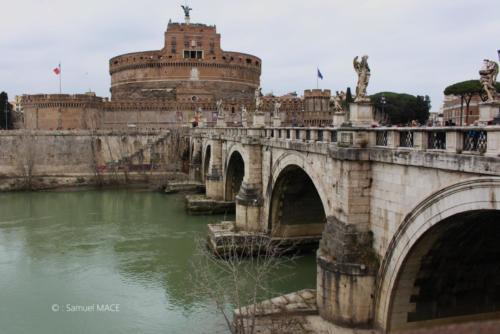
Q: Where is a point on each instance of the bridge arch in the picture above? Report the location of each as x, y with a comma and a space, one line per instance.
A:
298, 203
235, 172
207, 156
441, 265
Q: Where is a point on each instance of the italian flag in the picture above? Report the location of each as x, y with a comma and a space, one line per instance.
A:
57, 70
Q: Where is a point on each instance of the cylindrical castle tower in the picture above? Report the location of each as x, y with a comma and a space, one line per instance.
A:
190, 67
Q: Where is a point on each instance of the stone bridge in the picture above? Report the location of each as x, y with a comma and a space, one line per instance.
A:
409, 218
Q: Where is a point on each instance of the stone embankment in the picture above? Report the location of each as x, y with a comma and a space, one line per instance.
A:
37, 160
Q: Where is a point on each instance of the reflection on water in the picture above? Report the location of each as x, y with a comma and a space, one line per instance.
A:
110, 247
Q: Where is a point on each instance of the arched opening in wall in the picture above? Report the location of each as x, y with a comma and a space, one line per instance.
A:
451, 274
98, 145
185, 159
296, 207
206, 162
234, 175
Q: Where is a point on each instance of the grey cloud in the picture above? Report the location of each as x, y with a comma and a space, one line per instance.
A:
417, 47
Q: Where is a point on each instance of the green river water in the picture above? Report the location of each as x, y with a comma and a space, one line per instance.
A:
63, 252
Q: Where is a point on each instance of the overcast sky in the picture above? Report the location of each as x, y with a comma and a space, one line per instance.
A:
415, 46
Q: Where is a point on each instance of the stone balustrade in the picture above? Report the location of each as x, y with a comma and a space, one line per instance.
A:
460, 140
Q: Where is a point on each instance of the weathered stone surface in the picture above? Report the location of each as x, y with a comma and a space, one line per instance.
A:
345, 293
106, 155
228, 236
184, 186
370, 195
202, 205
302, 302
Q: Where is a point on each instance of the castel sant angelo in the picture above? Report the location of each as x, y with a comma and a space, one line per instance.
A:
190, 80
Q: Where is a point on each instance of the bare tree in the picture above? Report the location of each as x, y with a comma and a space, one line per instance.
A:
236, 276
26, 158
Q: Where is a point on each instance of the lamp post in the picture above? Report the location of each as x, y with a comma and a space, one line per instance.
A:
383, 101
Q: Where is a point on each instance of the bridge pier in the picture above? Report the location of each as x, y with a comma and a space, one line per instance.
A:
214, 179
213, 202
249, 198
195, 161
347, 263
346, 275
248, 208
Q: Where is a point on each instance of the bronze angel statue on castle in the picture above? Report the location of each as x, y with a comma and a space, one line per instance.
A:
187, 10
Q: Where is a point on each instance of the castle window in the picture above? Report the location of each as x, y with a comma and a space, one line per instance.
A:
192, 54
249, 61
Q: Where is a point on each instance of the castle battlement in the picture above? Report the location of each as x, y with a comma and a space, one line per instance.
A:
47, 100
317, 93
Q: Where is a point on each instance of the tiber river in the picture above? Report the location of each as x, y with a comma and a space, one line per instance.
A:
108, 262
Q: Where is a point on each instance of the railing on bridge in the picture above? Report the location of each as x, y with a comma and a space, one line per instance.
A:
451, 139
469, 140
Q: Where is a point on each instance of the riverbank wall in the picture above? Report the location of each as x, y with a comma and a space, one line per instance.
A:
51, 159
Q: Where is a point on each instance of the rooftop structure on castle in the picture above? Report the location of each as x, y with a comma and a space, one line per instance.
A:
191, 66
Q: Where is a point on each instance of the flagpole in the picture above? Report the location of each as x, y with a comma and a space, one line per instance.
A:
60, 75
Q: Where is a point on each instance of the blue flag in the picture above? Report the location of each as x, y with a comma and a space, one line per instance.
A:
320, 75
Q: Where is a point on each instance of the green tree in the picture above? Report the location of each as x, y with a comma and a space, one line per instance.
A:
466, 90
403, 108
348, 98
5, 112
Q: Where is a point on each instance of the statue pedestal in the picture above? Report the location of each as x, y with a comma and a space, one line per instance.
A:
221, 122
202, 123
488, 111
259, 119
338, 118
361, 114
276, 121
